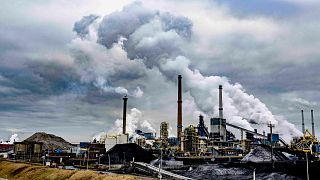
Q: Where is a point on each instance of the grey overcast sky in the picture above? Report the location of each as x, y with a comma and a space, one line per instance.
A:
65, 64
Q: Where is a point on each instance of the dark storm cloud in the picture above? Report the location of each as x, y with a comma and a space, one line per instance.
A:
41, 78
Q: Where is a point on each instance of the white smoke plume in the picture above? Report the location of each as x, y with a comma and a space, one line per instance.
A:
134, 121
13, 138
100, 137
156, 40
99, 66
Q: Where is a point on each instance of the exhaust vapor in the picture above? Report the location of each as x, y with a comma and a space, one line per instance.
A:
128, 43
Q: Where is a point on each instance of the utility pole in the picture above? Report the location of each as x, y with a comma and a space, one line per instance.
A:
160, 162
271, 141
124, 158
88, 159
109, 161
307, 166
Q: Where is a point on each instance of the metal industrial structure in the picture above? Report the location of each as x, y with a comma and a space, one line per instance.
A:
190, 140
202, 129
200, 143
179, 116
302, 117
124, 116
218, 125
164, 134
312, 123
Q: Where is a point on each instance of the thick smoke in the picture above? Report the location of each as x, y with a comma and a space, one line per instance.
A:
157, 40
134, 122
99, 66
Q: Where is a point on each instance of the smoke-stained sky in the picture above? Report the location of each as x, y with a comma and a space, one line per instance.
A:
64, 65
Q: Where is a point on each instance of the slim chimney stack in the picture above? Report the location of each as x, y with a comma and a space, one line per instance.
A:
312, 121
124, 116
302, 121
179, 118
220, 103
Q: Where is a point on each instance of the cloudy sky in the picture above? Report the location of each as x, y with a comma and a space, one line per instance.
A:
65, 65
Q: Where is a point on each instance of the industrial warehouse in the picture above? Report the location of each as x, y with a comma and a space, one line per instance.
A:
194, 145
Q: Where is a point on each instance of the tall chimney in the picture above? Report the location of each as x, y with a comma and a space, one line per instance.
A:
124, 116
179, 118
220, 103
302, 121
313, 133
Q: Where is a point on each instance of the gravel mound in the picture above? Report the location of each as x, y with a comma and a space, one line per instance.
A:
49, 141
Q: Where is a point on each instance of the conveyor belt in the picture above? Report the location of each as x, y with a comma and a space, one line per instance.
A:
246, 130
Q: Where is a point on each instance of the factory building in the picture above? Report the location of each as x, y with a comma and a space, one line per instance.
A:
164, 130
28, 150
190, 140
173, 141
6, 150
164, 134
218, 129
141, 141
113, 140
146, 135
218, 125
202, 129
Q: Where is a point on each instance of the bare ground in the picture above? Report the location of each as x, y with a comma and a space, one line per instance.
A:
22, 171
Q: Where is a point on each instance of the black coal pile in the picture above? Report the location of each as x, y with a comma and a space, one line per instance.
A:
216, 171
121, 153
259, 154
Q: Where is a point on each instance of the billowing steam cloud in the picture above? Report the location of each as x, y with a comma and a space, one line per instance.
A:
152, 39
134, 121
100, 137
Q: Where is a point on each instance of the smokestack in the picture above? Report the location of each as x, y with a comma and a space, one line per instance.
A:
313, 133
302, 122
201, 119
220, 102
124, 116
179, 118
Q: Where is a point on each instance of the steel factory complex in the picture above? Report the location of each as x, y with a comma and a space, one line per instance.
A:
193, 144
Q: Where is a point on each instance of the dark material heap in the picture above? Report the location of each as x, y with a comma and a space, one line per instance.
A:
122, 153
49, 141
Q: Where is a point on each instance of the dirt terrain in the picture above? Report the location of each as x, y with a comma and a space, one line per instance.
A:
22, 171
49, 141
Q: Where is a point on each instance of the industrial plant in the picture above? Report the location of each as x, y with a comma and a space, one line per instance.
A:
147, 153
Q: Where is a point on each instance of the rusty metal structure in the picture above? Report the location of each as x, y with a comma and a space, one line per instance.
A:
124, 116
179, 118
220, 103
